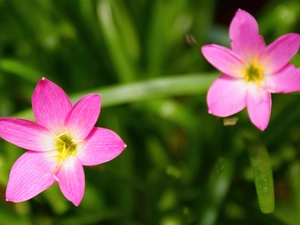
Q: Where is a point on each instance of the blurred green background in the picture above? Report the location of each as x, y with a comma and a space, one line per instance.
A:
182, 166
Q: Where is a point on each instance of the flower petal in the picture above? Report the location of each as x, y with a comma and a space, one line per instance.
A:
224, 60
71, 180
29, 176
279, 53
100, 146
26, 134
285, 81
50, 105
259, 106
244, 37
226, 96
83, 116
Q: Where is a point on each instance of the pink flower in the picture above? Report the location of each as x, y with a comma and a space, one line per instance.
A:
59, 144
251, 71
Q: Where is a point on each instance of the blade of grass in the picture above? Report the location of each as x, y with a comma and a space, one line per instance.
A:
217, 189
125, 70
19, 69
152, 89
180, 85
263, 177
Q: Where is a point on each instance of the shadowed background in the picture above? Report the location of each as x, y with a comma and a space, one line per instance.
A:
182, 166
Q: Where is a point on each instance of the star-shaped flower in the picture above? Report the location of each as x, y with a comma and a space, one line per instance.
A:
61, 141
251, 71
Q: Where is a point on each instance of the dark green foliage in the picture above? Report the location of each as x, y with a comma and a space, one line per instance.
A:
182, 166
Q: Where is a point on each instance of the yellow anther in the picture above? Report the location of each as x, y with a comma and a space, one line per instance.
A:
66, 146
254, 72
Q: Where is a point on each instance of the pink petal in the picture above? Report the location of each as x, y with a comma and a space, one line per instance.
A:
279, 53
83, 116
244, 37
259, 106
71, 180
26, 134
50, 105
226, 96
100, 146
285, 80
29, 176
224, 60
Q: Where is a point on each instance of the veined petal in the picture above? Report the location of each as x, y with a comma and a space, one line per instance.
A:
71, 180
83, 116
226, 96
224, 60
259, 106
29, 176
279, 53
285, 80
244, 37
50, 105
26, 134
100, 146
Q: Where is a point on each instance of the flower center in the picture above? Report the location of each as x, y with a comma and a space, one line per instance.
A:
254, 72
66, 146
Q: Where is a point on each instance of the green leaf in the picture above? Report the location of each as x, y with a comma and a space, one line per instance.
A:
179, 85
263, 177
217, 189
19, 69
124, 68
193, 84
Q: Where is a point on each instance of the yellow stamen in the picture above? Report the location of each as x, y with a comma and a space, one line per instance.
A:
254, 72
66, 146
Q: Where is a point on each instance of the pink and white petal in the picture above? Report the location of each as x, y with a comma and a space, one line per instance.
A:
29, 176
224, 60
102, 145
279, 53
83, 116
71, 180
285, 80
244, 37
50, 105
26, 134
226, 96
259, 106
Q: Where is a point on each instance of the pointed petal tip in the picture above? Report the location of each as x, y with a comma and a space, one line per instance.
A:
239, 11
261, 127
11, 199
43, 79
76, 203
